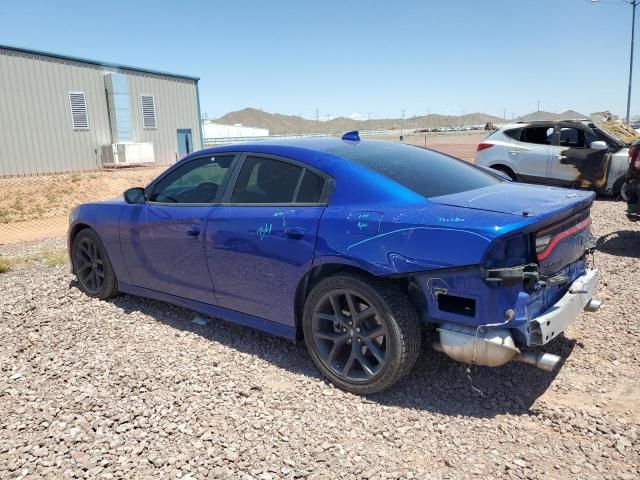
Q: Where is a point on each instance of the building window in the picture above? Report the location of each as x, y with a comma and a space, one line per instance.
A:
148, 104
79, 114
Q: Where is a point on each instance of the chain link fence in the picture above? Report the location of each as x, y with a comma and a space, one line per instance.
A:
36, 207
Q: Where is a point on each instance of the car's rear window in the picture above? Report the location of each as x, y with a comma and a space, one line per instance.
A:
428, 173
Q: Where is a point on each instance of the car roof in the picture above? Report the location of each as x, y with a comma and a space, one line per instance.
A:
315, 151
533, 123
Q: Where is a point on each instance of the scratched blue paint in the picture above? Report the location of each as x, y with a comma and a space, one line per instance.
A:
246, 266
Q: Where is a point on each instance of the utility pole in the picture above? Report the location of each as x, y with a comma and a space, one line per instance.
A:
633, 32
504, 114
369, 122
299, 122
428, 115
538, 117
634, 4
402, 126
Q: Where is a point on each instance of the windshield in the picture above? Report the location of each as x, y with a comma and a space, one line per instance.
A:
428, 173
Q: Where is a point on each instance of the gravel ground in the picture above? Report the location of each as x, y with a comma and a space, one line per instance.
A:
133, 388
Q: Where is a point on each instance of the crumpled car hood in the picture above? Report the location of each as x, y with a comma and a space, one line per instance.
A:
614, 127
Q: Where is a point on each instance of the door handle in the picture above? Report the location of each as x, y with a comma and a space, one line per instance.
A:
193, 231
294, 232
514, 152
561, 157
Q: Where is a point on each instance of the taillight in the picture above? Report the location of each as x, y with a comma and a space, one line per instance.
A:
483, 146
632, 152
546, 240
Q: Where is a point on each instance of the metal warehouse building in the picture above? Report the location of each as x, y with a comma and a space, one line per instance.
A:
65, 114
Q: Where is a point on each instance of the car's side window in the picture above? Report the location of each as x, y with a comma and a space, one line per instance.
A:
265, 180
311, 188
576, 138
514, 133
537, 135
571, 137
197, 181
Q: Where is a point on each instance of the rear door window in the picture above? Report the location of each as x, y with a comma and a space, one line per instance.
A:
266, 181
311, 188
537, 135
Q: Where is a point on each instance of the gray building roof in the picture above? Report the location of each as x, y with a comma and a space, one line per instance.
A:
96, 62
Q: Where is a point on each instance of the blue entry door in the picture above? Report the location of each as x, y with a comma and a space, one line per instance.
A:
163, 247
163, 239
260, 242
185, 143
258, 254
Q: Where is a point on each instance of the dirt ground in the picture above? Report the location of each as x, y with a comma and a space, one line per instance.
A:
133, 388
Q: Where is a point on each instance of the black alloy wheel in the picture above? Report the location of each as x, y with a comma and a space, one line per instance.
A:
92, 266
362, 332
349, 335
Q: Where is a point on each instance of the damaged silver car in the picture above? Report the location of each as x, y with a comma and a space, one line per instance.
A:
591, 153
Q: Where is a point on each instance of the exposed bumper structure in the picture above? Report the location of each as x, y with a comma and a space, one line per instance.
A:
493, 347
549, 325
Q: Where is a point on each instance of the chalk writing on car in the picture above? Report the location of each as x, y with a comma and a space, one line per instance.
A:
264, 230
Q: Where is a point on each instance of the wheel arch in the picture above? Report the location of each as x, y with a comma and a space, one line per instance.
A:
506, 168
73, 233
323, 270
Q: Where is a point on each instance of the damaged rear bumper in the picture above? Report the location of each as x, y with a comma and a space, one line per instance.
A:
549, 325
493, 345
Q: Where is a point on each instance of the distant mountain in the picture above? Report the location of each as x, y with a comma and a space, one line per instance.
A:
279, 124
549, 116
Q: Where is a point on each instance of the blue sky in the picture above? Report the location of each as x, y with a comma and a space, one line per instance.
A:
355, 57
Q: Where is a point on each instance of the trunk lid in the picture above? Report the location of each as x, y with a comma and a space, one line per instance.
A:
520, 199
557, 226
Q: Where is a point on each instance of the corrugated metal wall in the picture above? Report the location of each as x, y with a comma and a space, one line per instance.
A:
36, 135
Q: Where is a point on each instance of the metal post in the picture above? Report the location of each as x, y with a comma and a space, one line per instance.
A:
633, 31
402, 127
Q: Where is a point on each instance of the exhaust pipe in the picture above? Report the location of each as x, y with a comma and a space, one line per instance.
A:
544, 361
491, 348
593, 305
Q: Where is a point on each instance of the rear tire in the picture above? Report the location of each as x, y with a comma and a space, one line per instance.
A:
362, 333
92, 266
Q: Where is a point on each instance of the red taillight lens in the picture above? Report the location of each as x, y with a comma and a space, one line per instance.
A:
483, 146
633, 152
546, 240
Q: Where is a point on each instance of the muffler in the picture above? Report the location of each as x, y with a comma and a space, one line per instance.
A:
488, 347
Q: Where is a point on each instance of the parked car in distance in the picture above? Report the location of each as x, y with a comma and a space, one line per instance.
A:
631, 188
351, 246
581, 154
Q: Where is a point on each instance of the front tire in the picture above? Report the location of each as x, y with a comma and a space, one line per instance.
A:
362, 333
92, 266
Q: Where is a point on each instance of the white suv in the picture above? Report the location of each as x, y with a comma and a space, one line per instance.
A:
580, 154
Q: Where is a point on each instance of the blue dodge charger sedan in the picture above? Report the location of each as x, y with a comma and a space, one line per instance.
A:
351, 246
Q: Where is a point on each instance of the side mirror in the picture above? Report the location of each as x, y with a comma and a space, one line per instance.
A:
134, 195
599, 145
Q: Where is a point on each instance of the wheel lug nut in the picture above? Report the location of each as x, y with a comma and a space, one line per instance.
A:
350, 323
358, 329
348, 340
359, 340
